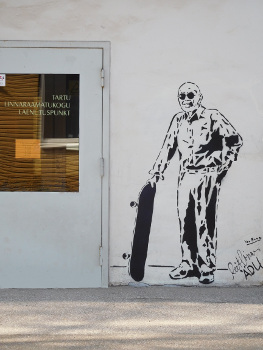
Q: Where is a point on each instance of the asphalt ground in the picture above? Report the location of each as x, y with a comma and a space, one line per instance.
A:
128, 317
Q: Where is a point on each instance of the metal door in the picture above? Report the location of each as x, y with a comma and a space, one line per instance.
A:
52, 239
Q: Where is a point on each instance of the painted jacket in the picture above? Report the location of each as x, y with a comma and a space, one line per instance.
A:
206, 140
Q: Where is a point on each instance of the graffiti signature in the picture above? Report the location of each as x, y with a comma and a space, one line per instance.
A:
253, 240
247, 263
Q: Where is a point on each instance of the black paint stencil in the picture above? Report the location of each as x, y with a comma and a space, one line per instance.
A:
207, 145
142, 231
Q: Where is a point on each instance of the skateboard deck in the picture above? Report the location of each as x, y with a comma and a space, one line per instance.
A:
142, 231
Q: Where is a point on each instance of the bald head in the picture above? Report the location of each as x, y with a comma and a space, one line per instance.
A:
189, 97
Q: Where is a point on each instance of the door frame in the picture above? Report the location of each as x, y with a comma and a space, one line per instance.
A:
105, 163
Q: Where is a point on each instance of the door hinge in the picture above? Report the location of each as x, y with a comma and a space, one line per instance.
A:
102, 77
101, 167
101, 255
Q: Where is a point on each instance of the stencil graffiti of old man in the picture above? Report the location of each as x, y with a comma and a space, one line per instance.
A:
207, 144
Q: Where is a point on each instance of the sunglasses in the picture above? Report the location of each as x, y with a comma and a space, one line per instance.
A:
190, 95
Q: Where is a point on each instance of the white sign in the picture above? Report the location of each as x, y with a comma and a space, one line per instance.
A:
2, 79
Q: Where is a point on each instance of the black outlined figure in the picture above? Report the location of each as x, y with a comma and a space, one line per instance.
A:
207, 145
142, 231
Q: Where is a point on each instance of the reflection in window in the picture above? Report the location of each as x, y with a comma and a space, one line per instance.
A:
39, 130
61, 94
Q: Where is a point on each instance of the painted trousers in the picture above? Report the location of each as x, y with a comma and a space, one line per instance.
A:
197, 197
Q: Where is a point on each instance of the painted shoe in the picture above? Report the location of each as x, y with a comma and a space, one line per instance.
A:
206, 277
182, 271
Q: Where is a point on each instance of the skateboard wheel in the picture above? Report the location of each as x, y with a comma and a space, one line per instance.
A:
126, 256
133, 204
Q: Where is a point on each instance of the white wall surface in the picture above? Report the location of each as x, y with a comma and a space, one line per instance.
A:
156, 46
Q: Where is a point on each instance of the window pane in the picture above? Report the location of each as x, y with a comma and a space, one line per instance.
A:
39, 128
61, 94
